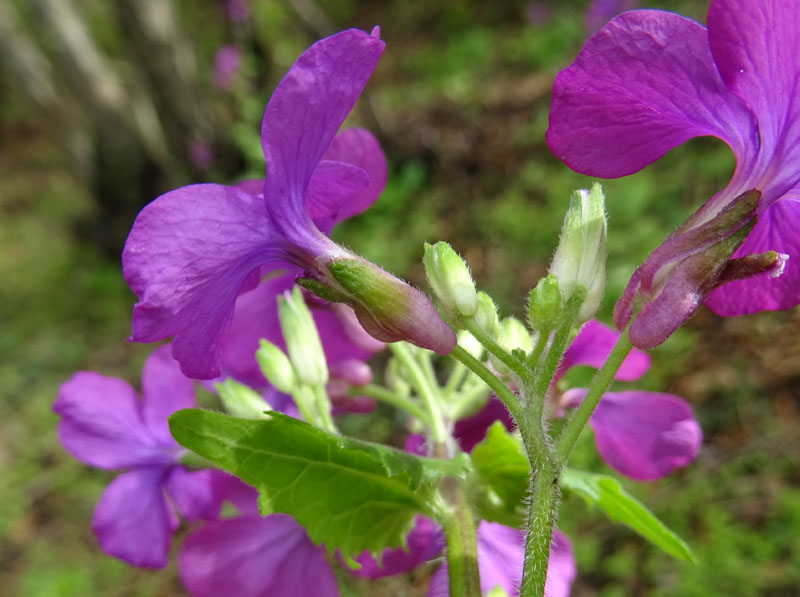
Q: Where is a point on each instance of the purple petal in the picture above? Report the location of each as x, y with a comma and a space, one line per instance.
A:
102, 424
645, 435
188, 256
592, 346
599, 12
501, 551
227, 61
642, 85
197, 494
360, 148
164, 390
255, 557
471, 431
756, 44
562, 568
255, 317
133, 521
303, 116
329, 189
425, 541
776, 230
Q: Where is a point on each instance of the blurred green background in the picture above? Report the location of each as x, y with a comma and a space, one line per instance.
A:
90, 133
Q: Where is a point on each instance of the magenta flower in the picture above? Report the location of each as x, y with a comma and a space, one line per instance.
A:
501, 551
105, 425
644, 435
254, 556
192, 251
649, 81
599, 12
227, 61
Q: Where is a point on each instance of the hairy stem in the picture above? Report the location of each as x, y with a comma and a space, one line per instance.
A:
496, 384
462, 544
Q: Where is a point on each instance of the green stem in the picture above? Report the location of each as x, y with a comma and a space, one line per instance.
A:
389, 397
544, 376
462, 544
323, 404
542, 509
510, 361
457, 377
439, 432
601, 382
507, 396
541, 344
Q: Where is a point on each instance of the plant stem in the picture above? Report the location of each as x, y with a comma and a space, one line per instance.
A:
542, 509
462, 544
510, 361
602, 380
389, 397
439, 434
507, 396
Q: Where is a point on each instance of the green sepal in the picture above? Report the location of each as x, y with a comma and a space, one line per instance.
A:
348, 494
323, 291
620, 506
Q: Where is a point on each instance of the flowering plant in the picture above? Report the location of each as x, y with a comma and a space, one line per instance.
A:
260, 300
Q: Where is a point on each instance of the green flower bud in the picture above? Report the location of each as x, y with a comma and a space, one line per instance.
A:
545, 304
486, 315
242, 401
302, 339
470, 343
513, 336
276, 367
451, 281
580, 259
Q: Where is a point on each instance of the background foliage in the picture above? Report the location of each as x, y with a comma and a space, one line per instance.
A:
460, 103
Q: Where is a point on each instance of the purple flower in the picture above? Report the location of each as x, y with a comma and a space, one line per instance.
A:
227, 61
238, 11
105, 425
649, 81
254, 556
644, 435
501, 551
194, 250
599, 12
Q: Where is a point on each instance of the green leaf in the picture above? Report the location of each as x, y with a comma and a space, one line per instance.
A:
348, 494
502, 472
620, 506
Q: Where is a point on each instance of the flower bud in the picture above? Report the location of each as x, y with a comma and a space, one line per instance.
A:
389, 309
241, 401
302, 339
513, 336
451, 281
580, 259
545, 304
276, 367
470, 343
486, 315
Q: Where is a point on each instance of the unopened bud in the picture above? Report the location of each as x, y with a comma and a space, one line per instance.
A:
451, 281
389, 309
486, 315
513, 336
242, 401
302, 339
545, 304
470, 343
580, 259
276, 367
